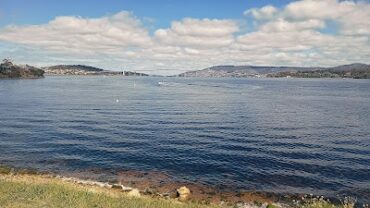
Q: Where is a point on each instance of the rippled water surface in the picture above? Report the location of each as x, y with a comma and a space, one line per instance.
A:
279, 135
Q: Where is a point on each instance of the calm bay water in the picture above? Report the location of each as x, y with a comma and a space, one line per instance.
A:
275, 135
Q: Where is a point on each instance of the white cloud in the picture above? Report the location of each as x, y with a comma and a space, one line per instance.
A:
283, 25
292, 35
318, 9
72, 33
198, 33
305, 47
266, 12
353, 17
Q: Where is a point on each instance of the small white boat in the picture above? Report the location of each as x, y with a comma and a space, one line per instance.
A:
163, 84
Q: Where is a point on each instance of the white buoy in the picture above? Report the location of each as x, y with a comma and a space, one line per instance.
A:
117, 101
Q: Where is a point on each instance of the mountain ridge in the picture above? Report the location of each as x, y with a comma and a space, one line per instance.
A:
272, 71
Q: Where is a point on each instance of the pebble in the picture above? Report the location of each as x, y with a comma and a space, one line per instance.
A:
116, 186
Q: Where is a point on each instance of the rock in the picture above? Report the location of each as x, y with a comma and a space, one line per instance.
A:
134, 193
183, 193
85, 182
116, 186
239, 205
101, 184
122, 187
67, 179
126, 188
150, 191
173, 194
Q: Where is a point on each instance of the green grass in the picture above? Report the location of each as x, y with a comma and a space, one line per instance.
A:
31, 191
27, 190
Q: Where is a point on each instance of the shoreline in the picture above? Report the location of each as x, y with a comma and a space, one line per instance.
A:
24, 190
154, 184
142, 184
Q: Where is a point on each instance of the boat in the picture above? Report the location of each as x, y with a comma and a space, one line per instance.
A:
162, 84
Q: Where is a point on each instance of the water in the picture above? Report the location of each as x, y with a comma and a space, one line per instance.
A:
275, 135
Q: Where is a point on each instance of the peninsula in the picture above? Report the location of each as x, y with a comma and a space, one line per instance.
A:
8, 70
77, 70
86, 70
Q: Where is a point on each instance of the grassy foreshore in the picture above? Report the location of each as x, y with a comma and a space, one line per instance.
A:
28, 189
18, 191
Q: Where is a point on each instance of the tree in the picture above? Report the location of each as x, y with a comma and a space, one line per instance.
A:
7, 62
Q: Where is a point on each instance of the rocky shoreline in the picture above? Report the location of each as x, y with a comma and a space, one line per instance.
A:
182, 194
137, 184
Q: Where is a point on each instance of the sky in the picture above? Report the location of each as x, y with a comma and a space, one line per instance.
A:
173, 36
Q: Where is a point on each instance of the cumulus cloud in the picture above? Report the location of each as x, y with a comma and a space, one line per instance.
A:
320, 9
353, 17
198, 33
73, 33
266, 12
283, 25
293, 34
306, 47
301, 34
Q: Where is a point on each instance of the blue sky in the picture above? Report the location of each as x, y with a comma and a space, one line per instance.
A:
162, 11
172, 36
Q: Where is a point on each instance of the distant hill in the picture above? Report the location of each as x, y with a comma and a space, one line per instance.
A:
274, 71
8, 70
241, 71
351, 67
74, 67
77, 70
129, 73
85, 70
355, 71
